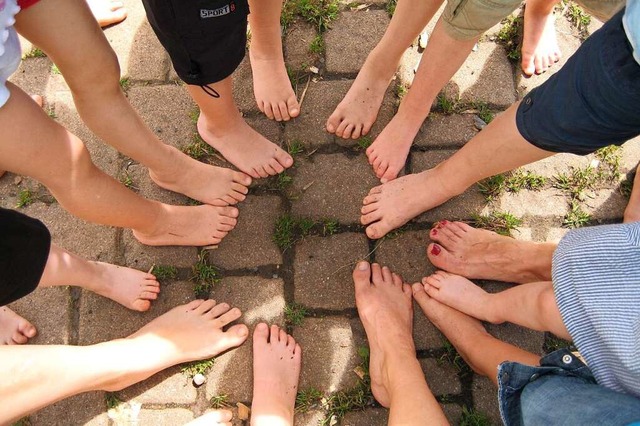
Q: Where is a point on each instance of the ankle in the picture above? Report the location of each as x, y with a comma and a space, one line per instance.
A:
267, 411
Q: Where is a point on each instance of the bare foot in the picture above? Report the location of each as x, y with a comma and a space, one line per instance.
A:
356, 113
388, 153
131, 288
190, 226
14, 330
393, 204
481, 254
385, 309
276, 371
272, 88
539, 46
213, 418
107, 12
246, 149
212, 185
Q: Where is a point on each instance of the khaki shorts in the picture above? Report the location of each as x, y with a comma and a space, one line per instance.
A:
466, 19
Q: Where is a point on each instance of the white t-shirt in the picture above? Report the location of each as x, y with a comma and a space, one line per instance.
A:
10, 53
631, 24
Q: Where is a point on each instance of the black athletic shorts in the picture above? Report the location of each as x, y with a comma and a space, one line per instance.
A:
24, 250
206, 39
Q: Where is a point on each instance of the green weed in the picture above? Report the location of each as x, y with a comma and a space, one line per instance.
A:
576, 217
492, 187
452, 357
520, 180
471, 417
197, 367
401, 91
364, 142
610, 157
283, 180
126, 180
219, 401
295, 313
307, 399
198, 149
391, 7
55, 70
626, 186
510, 36
317, 12
52, 113
305, 225
194, 115
578, 18
204, 275
111, 400
577, 182
445, 104
22, 422
295, 147
317, 45
35, 52
484, 112
125, 83
283, 235
329, 227
500, 222
164, 272
26, 197
553, 343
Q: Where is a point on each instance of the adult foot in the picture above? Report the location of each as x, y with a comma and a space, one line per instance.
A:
481, 254
189, 226
391, 205
385, 309
388, 153
14, 330
213, 418
539, 45
107, 12
272, 87
246, 149
131, 288
356, 113
276, 371
217, 186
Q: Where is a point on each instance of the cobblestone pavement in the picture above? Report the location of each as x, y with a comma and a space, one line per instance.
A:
322, 194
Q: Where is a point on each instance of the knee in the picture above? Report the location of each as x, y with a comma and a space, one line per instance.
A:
99, 76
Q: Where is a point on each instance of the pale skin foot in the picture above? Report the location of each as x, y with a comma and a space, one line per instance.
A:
14, 330
213, 418
107, 12
272, 88
190, 226
481, 254
276, 372
539, 46
632, 212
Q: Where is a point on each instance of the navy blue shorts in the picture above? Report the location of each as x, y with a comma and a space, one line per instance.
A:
592, 102
24, 250
206, 39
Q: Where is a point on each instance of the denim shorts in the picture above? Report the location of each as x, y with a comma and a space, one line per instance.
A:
591, 102
561, 391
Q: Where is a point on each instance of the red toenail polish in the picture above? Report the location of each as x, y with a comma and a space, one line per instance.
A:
444, 222
435, 250
434, 231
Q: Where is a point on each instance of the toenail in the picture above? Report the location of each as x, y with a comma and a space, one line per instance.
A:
444, 222
435, 250
363, 266
434, 231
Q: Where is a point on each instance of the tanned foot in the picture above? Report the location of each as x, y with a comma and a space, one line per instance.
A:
394, 203
131, 288
246, 149
276, 371
107, 12
481, 254
212, 185
272, 88
385, 309
14, 330
539, 46
186, 333
190, 226
388, 153
356, 113
213, 418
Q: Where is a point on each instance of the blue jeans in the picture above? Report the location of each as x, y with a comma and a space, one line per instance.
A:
561, 391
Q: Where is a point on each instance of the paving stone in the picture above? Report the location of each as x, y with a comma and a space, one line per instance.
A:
165, 417
557, 164
463, 206
630, 155
243, 87
140, 256
486, 76
84, 409
299, 36
405, 255
47, 309
442, 378
33, 75
541, 231
446, 131
251, 244
310, 418
606, 205
485, 398
351, 37
335, 186
425, 335
323, 269
544, 203
330, 354
368, 417
453, 412
232, 375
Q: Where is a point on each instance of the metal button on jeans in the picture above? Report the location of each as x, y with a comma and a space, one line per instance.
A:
567, 359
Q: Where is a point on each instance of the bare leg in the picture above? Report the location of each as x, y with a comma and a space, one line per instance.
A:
478, 253
213, 418
496, 149
271, 85
539, 45
42, 375
443, 56
483, 352
531, 305
107, 12
90, 67
357, 112
32, 144
632, 212
276, 371
397, 381
14, 330
221, 126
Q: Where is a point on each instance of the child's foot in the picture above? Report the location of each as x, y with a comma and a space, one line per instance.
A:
388, 153
272, 88
131, 288
393, 204
460, 294
246, 149
212, 185
276, 371
385, 309
481, 254
14, 330
190, 226
107, 12
356, 113
539, 46
213, 418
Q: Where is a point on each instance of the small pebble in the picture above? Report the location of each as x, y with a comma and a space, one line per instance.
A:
423, 39
475, 48
198, 379
479, 122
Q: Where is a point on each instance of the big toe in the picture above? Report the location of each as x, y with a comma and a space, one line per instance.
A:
261, 334
376, 231
27, 329
293, 107
528, 67
362, 276
235, 335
